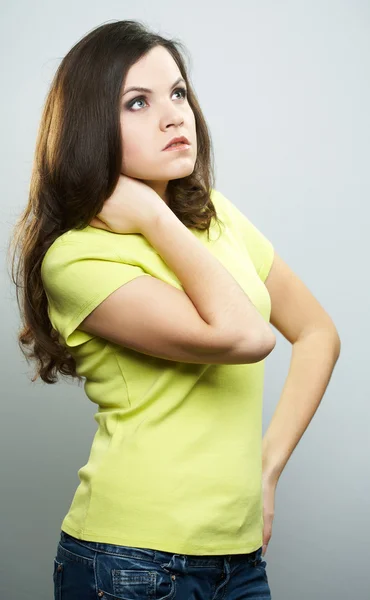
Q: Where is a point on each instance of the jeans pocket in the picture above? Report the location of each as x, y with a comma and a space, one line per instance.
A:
260, 565
130, 578
57, 579
134, 584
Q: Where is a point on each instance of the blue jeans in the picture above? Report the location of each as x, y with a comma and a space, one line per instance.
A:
92, 570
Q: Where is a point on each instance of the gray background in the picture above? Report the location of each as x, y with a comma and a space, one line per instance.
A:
285, 90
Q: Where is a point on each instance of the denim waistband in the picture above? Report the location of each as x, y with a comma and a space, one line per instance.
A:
160, 555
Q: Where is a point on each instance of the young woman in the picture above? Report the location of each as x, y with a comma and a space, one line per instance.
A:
148, 283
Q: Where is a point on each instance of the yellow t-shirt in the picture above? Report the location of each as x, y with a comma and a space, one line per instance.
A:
176, 461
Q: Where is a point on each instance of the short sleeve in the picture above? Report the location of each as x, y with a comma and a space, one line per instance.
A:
259, 247
77, 276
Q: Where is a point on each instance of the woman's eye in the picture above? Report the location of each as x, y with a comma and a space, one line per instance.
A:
132, 103
182, 90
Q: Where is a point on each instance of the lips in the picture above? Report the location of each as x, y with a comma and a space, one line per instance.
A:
182, 139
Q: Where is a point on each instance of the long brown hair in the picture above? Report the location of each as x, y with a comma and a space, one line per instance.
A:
77, 164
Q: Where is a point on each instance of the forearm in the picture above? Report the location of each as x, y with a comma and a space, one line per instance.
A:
313, 359
217, 296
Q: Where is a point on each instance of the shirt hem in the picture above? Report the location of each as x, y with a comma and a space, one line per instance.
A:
162, 545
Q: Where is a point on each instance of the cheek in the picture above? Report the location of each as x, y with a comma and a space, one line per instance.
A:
132, 149
139, 159
192, 127
136, 150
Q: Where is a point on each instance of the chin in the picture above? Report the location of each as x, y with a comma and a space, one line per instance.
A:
180, 171
174, 171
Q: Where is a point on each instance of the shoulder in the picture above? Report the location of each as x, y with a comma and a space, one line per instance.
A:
89, 238
217, 198
223, 203
76, 245
84, 236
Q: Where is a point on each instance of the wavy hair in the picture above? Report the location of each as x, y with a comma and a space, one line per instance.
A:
76, 167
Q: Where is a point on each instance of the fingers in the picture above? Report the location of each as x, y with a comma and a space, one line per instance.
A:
96, 222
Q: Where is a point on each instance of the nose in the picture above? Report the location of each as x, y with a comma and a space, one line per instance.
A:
174, 119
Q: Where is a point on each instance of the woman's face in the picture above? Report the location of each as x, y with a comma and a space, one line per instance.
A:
150, 120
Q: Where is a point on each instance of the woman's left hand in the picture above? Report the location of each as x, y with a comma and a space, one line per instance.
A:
268, 487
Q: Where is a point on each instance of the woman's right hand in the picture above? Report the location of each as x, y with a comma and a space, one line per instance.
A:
131, 206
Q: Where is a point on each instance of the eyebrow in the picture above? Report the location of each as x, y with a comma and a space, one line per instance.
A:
143, 89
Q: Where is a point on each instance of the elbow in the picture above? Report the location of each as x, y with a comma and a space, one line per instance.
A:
256, 349
265, 344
